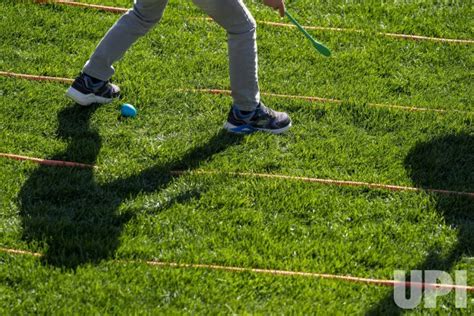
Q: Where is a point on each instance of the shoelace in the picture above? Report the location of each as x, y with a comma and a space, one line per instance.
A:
267, 111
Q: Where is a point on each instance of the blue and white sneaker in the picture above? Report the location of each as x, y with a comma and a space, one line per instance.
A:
87, 90
262, 119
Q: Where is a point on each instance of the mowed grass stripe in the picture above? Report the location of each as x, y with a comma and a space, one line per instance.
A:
228, 92
318, 28
342, 278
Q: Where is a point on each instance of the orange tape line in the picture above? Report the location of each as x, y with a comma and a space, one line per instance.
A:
47, 162
341, 183
228, 92
300, 97
20, 252
348, 30
319, 28
35, 78
347, 278
328, 100
84, 5
428, 38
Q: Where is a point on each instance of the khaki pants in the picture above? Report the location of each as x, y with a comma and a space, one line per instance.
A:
232, 15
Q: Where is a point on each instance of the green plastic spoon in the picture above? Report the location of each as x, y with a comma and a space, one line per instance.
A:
320, 47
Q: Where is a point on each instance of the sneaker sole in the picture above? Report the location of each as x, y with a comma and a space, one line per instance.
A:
248, 129
86, 99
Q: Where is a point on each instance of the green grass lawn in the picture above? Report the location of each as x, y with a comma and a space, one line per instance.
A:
96, 228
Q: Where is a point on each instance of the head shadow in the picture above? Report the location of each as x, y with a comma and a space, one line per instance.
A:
75, 219
447, 163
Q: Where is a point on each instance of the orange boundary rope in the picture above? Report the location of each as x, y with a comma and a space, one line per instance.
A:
84, 5
341, 183
279, 24
35, 77
395, 35
346, 278
328, 100
46, 162
228, 92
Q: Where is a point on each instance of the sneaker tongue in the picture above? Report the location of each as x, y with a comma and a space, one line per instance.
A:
94, 83
95, 80
243, 114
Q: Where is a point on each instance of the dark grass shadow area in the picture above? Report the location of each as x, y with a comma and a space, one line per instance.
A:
445, 162
76, 219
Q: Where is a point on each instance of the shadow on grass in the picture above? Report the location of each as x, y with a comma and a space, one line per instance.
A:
75, 218
445, 162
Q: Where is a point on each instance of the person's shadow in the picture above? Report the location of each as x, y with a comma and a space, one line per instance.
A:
74, 218
445, 162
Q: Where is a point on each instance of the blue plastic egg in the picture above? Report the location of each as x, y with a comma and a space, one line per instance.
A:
128, 110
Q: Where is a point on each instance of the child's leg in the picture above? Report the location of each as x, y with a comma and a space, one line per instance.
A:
131, 26
233, 16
